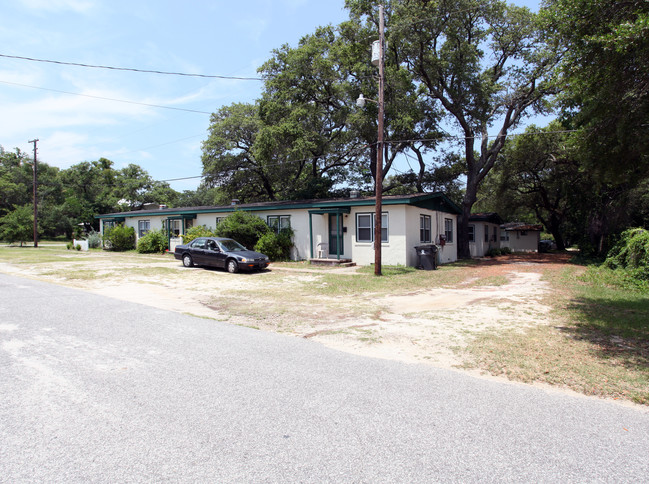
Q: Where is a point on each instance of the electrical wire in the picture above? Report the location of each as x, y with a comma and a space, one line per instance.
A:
131, 69
400, 141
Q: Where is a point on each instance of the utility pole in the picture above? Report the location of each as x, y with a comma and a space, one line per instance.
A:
35, 170
379, 153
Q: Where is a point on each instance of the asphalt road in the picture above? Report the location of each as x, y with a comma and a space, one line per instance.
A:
98, 390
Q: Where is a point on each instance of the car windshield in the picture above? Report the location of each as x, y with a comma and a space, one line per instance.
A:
231, 245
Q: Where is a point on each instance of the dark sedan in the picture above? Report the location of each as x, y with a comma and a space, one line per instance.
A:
222, 253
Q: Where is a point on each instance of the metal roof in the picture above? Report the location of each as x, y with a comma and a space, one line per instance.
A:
434, 201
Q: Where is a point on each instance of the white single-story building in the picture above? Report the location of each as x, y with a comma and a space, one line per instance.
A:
520, 237
335, 228
484, 233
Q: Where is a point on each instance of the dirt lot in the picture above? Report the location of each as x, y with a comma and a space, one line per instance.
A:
428, 317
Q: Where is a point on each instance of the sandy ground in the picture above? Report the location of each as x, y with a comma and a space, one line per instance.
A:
428, 325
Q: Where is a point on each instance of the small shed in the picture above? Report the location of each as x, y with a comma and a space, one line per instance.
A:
521, 236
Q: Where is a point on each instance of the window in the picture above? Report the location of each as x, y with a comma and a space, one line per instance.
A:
504, 236
365, 227
471, 233
143, 226
486, 233
174, 227
279, 222
424, 228
198, 243
448, 230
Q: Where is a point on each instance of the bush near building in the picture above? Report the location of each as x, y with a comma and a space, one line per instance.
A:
120, 238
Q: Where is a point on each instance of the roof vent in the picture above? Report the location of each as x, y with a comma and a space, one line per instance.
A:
235, 201
354, 193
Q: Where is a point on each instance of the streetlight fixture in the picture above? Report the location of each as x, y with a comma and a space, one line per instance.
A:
377, 51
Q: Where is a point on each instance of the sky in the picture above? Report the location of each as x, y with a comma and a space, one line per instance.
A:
155, 121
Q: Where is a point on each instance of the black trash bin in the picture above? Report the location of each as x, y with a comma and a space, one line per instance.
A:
426, 257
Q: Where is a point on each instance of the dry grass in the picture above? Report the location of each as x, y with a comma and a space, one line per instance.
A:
599, 344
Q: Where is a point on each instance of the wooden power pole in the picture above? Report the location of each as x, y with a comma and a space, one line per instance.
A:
379, 153
35, 170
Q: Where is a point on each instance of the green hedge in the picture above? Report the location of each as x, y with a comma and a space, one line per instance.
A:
153, 242
276, 246
120, 238
196, 232
244, 227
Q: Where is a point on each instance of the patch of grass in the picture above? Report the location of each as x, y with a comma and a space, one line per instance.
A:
76, 274
150, 271
34, 255
367, 335
490, 281
395, 280
599, 345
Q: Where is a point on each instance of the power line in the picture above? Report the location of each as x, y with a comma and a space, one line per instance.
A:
513, 135
131, 69
163, 144
106, 98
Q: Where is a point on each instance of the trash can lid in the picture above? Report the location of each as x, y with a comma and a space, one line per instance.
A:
430, 247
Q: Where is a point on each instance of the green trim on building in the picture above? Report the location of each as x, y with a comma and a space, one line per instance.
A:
432, 201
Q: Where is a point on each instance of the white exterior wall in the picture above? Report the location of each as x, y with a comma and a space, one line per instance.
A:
479, 247
446, 254
403, 232
404, 236
394, 250
522, 243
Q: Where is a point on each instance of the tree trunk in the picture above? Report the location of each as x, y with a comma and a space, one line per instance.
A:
463, 250
470, 197
556, 232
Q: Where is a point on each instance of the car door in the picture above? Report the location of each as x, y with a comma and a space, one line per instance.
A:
214, 257
197, 251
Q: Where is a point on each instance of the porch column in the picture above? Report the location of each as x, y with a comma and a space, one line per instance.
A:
338, 235
311, 233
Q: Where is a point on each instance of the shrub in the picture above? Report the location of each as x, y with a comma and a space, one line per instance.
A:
195, 232
276, 246
505, 250
94, 240
77, 247
494, 252
120, 238
244, 227
631, 254
631, 251
153, 242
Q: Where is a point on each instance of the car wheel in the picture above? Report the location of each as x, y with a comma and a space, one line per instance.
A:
233, 267
187, 260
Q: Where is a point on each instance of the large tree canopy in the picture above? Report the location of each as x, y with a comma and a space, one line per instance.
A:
605, 78
306, 136
483, 62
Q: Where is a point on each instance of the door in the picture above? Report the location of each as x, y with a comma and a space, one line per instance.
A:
197, 251
214, 257
336, 234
